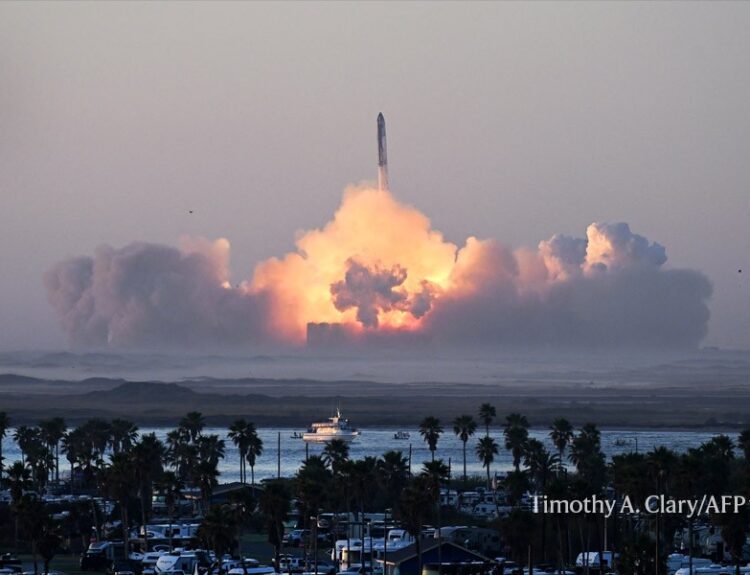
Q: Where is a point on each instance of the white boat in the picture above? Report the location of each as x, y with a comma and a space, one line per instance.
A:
401, 435
335, 428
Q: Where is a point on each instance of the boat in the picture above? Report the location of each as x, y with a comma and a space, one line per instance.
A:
296, 435
401, 435
335, 428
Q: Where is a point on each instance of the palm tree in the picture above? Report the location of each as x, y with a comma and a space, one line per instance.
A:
181, 453
743, 442
119, 482
24, 436
487, 449
170, 486
34, 521
312, 484
274, 503
147, 456
364, 481
722, 445
238, 433
464, 427
218, 530
254, 450
436, 473
540, 462
516, 433
335, 453
415, 499
193, 424
52, 431
4, 426
561, 434
206, 477
430, 431
17, 480
487, 414
393, 470
123, 434
587, 456
211, 448
40, 459
542, 465
99, 434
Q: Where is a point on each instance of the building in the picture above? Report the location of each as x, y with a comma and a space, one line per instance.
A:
456, 560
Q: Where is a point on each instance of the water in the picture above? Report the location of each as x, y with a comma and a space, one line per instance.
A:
375, 442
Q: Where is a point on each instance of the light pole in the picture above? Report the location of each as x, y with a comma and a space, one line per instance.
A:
314, 519
385, 542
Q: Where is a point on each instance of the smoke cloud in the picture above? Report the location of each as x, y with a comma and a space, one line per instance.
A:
379, 272
147, 294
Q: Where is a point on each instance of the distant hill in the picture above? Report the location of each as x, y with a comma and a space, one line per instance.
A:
15, 378
145, 391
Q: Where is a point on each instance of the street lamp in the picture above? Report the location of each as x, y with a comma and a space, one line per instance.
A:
385, 542
314, 519
366, 521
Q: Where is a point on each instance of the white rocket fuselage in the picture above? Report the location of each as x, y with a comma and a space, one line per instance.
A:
382, 155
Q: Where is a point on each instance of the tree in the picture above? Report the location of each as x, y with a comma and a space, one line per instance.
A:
393, 470
254, 450
487, 449
541, 463
170, 486
435, 474
205, 476
313, 485
4, 426
363, 480
516, 433
52, 431
274, 504
239, 434
487, 414
24, 436
743, 441
335, 454
147, 456
35, 521
561, 434
182, 454
98, 433
123, 435
193, 424
415, 499
430, 430
733, 527
118, 481
17, 481
464, 427
218, 530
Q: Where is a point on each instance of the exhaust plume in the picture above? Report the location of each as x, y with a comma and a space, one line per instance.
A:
379, 272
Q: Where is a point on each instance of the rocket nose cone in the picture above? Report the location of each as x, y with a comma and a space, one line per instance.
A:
381, 119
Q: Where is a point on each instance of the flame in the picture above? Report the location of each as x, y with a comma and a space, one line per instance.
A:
372, 230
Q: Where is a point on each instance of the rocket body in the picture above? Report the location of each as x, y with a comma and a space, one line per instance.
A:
382, 155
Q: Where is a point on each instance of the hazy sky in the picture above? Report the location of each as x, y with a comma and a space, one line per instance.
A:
513, 121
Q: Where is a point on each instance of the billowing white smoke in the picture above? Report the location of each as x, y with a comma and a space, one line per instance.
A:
377, 272
147, 294
606, 289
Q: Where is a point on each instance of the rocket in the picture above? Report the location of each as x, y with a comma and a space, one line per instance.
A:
382, 155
